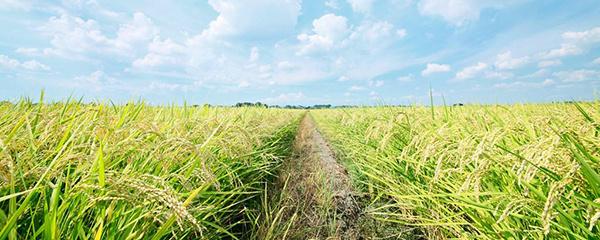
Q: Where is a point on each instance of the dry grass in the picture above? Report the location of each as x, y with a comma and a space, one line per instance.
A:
303, 200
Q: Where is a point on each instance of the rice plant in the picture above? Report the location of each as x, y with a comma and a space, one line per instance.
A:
71, 170
484, 172
80, 171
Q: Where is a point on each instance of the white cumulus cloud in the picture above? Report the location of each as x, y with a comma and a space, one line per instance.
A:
334, 4
498, 75
15, 4
97, 80
328, 30
372, 32
583, 37
253, 19
72, 35
575, 43
577, 75
459, 12
7, 62
523, 85
160, 52
361, 6
505, 61
139, 30
563, 51
471, 71
435, 68
406, 78
285, 65
32, 65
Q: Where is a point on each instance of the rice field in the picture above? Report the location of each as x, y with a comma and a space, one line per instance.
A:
70, 170
476, 172
100, 171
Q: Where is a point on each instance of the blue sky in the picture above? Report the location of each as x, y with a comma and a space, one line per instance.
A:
301, 52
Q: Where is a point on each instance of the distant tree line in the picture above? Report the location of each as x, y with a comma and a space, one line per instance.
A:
264, 105
325, 106
259, 104
249, 104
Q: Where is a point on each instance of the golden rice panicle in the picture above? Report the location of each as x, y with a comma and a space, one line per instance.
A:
518, 171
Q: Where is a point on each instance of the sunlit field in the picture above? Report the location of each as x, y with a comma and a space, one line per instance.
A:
70, 170
99, 171
300, 120
477, 172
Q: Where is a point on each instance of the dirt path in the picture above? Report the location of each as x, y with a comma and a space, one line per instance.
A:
317, 191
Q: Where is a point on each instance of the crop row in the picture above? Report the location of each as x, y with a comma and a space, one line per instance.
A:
81, 171
492, 172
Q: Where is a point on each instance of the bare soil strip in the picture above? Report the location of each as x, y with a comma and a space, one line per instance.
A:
317, 191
